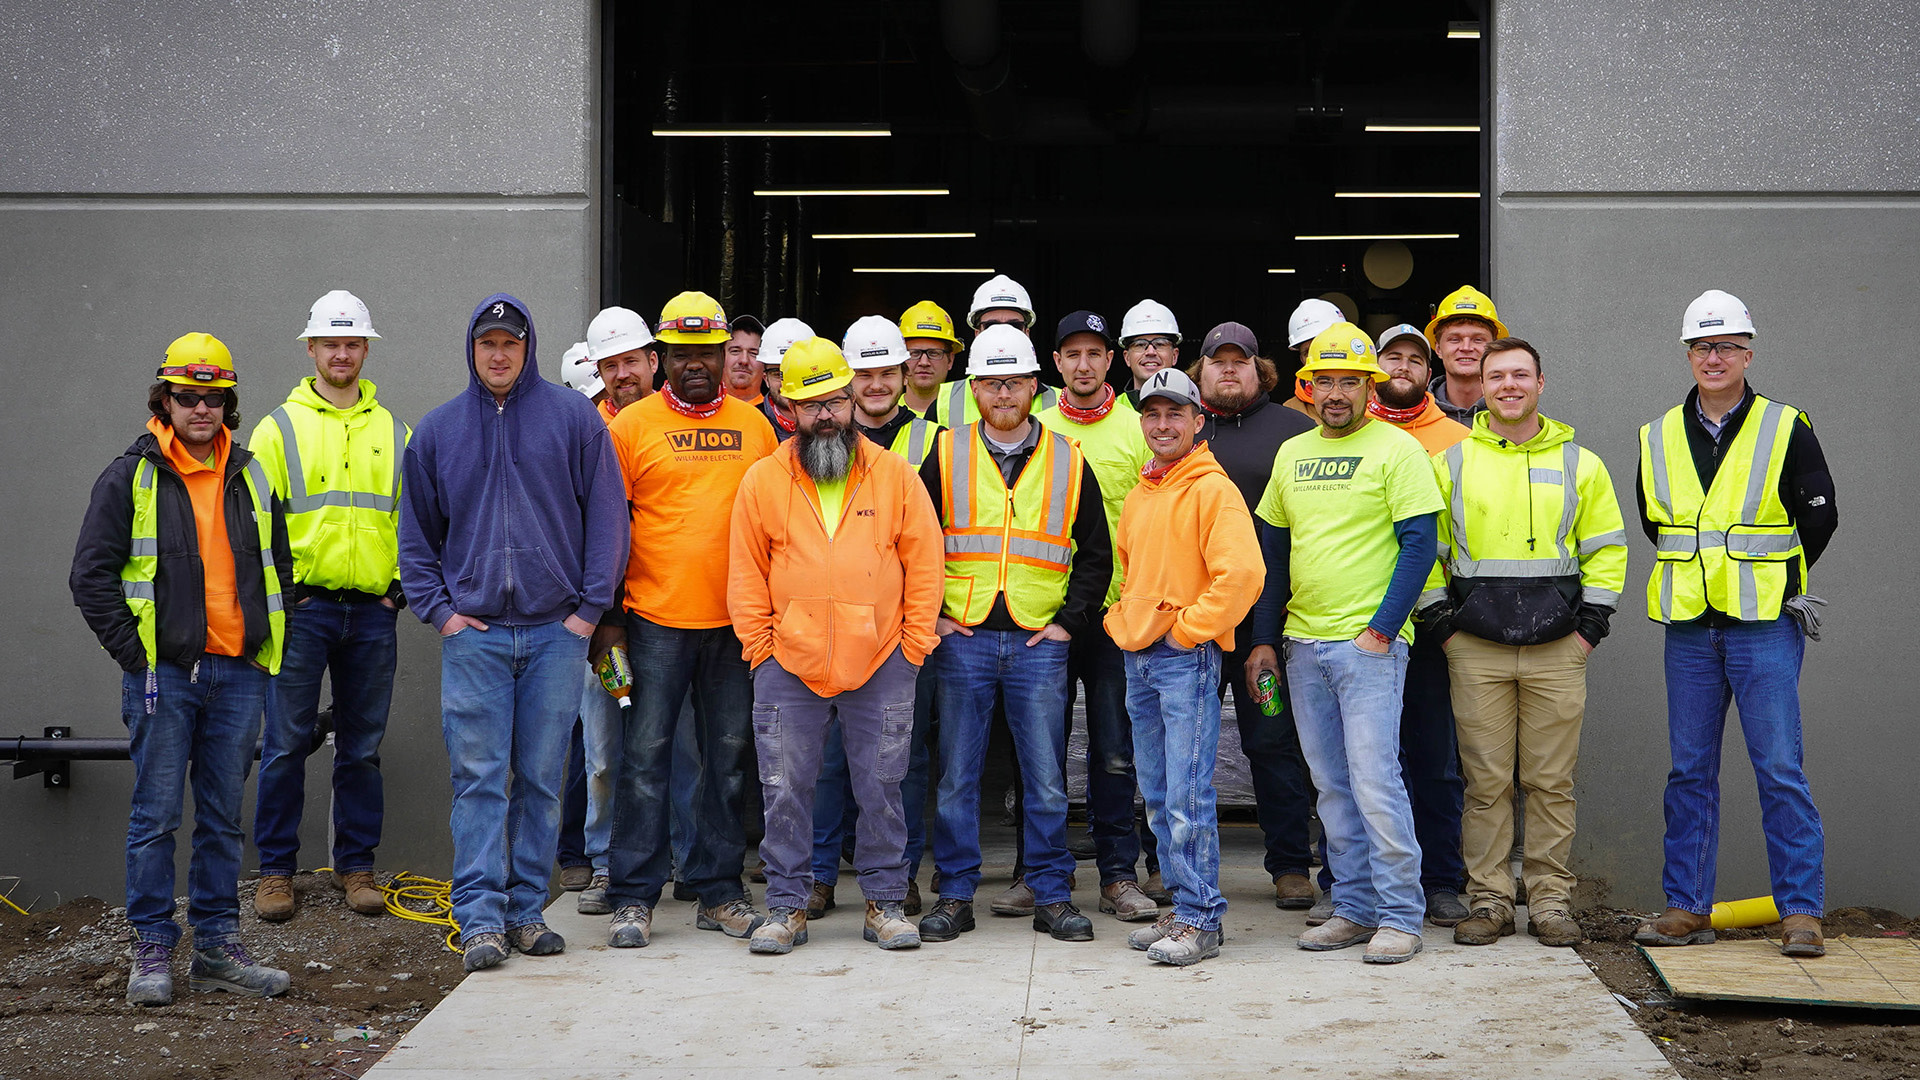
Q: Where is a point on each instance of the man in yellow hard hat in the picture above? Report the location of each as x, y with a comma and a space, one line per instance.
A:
1351, 516
1462, 327
193, 615
683, 452
931, 347
806, 525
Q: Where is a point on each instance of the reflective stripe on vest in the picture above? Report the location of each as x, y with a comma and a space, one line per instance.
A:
1017, 542
915, 440
300, 501
1729, 546
1563, 562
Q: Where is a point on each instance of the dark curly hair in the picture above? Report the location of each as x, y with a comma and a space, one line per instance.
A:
157, 403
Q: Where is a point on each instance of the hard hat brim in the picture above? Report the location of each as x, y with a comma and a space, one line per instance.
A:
313, 332
1433, 325
1369, 369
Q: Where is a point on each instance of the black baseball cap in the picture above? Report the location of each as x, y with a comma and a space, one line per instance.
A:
747, 323
1231, 333
1082, 322
501, 315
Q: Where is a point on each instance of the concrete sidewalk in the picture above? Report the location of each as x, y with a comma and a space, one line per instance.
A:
1004, 1001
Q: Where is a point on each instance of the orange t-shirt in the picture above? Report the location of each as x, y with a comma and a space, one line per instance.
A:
226, 626
681, 476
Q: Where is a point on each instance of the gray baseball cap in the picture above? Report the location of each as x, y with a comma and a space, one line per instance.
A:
1231, 333
1172, 384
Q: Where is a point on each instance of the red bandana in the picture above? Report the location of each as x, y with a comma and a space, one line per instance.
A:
1398, 417
695, 412
1154, 470
1087, 416
784, 424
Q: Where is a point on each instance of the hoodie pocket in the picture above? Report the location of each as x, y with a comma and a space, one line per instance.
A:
826, 640
1140, 621
1515, 612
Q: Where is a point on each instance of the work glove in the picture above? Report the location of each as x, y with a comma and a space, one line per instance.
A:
1805, 610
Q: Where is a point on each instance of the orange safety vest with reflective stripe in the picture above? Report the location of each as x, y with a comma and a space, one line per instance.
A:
1017, 542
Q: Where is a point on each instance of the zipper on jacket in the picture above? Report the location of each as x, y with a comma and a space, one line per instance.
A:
506, 519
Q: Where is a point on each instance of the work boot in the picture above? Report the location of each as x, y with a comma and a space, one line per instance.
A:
819, 900
226, 966
1336, 933
783, 928
1156, 889
1484, 927
1063, 921
536, 939
948, 920
575, 878
1390, 946
1143, 938
593, 898
1185, 944
363, 895
684, 891
1292, 892
1800, 936
1321, 911
483, 951
151, 980
758, 875
887, 926
1124, 901
1555, 928
911, 905
273, 898
1676, 926
735, 917
1444, 908
631, 927
1017, 900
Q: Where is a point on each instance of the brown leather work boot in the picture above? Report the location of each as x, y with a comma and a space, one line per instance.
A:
819, 900
1483, 927
1292, 892
911, 905
1676, 926
887, 926
1124, 901
273, 898
363, 895
1800, 936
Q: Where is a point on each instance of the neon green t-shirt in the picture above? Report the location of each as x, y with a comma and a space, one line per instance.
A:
1340, 498
1117, 451
833, 497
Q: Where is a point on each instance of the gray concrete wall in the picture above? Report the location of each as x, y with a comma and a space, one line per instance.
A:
1644, 153
197, 165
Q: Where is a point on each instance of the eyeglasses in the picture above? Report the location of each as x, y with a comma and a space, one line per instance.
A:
1700, 350
812, 409
213, 400
929, 354
1158, 344
1345, 383
1008, 385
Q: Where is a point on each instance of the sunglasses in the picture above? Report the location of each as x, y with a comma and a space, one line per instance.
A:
213, 400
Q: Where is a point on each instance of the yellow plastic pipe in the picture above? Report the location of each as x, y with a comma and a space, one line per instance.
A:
1735, 914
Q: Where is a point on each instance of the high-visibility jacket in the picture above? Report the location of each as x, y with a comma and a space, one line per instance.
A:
1117, 450
953, 405
1532, 533
915, 440
138, 575
338, 472
1730, 547
1017, 542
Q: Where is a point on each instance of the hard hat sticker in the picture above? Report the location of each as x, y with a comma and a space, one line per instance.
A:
928, 326
816, 377
1359, 346
341, 322
864, 353
1713, 322
1003, 360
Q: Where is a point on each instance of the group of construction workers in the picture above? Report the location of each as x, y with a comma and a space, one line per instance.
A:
829, 564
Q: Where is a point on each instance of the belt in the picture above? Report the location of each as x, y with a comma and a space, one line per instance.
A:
346, 596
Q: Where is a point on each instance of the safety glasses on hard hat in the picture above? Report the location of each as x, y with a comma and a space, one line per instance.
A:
197, 372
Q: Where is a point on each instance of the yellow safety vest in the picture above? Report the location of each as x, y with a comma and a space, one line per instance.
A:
137, 576
342, 493
957, 405
1017, 542
915, 440
1727, 547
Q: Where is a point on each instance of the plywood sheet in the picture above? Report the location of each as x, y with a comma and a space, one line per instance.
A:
1878, 973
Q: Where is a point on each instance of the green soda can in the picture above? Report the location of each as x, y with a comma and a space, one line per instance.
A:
1266, 691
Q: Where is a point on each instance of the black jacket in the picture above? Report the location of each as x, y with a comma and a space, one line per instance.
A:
1244, 444
180, 598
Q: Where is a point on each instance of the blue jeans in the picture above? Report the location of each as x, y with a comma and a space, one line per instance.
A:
667, 663
1032, 680
1347, 710
573, 805
835, 813
683, 788
601, 729
1755, 666
1173, 697
1098, 664
353, 644
209, 715
508, 698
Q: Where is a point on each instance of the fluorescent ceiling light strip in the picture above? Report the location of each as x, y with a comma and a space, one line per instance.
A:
851, 191
1463, 35
1420, 126
923, 270
894, 235
696, 131
1406, 194
1280, 270
1384, 236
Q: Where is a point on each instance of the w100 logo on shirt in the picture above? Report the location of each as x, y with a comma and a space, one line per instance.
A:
1326, 468
703, 440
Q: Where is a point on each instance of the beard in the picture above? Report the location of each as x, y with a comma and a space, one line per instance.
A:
1393, 397
827, 455
1231, 401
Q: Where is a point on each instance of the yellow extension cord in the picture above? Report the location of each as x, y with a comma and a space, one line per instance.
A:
436, 894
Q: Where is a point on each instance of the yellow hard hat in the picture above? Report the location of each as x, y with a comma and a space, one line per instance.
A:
929, 320
693, 318
813, 367
1465, 300
1342, 347
198, 360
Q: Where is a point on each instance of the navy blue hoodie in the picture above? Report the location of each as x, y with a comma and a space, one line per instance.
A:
513, 512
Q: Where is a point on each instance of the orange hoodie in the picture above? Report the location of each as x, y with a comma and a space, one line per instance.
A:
1193, 565
1435, 430
833, 609
226, 626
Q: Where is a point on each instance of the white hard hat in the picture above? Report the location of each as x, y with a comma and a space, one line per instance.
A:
999, 351
1149, 317
874, 341
780, 337
1311, 317
579, 371
999, 291
1715, 312
614, 331
338, 314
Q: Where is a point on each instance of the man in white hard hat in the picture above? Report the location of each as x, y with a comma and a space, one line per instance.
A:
1006, 486
333, 452
576, 867
1149, 340
876, 353
1309, 318
625, 357
999, 301
931, 346
774, 343
744, 373
1351, 516
1462, 327
1736, 496
1100, 419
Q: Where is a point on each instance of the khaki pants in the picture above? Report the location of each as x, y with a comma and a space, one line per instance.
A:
1521, 702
